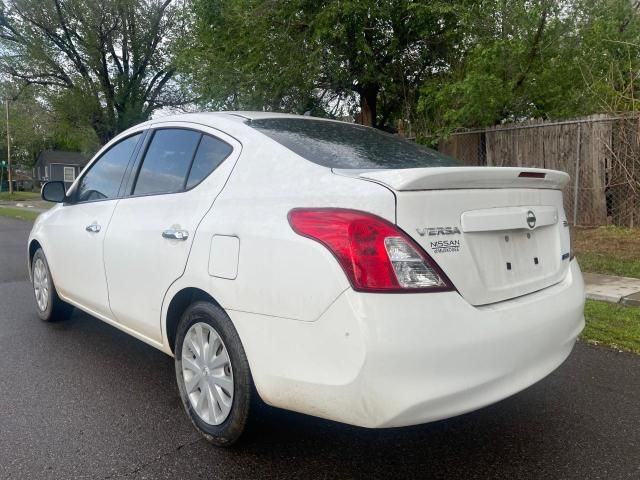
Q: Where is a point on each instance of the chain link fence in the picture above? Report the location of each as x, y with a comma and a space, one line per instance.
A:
601, 154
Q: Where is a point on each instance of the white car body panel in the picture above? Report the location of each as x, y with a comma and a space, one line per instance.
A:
224, 256
134, 244
314, 344
76, 258
366, 362
269, 247
477, 264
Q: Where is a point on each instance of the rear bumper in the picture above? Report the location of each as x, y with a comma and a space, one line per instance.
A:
380, 360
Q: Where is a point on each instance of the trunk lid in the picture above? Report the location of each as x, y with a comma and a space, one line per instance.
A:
496, 233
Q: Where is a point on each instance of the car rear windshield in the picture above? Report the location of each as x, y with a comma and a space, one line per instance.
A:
346, 145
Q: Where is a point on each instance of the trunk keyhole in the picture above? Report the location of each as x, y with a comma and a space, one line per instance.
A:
508, 265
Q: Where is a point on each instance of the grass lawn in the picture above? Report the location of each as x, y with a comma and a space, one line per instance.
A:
20, 213
20, 196
614, 325
610, 250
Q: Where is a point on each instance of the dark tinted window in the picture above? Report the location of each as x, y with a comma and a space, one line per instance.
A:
103, 180
166, 163
211, 152
345, 145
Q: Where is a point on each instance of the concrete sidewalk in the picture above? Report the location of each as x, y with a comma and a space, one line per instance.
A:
609, 288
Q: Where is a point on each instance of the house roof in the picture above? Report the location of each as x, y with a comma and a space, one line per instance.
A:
47, 157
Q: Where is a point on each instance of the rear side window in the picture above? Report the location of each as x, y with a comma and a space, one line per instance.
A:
211, 153
103, 179
345, 145
166, 164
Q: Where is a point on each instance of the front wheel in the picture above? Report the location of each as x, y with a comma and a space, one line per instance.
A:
213, 373
49, 306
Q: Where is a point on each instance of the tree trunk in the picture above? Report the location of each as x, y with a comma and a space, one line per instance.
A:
368, 105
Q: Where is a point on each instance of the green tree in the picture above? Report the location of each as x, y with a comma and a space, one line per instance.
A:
111, 57
609, 59
35, 125
526, 59
313, 55
492, 75
29, 124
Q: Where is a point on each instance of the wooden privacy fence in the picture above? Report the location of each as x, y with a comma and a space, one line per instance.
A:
601, 154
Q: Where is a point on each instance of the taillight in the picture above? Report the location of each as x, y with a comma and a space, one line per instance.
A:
375, 255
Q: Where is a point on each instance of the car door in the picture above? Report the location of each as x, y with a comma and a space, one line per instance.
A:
177, 179
75, 233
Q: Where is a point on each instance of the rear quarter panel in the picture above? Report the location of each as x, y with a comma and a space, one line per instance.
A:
279, 273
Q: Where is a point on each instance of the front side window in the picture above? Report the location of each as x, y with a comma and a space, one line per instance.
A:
166, 164
103, 179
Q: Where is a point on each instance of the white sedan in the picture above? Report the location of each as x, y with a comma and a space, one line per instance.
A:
320, 266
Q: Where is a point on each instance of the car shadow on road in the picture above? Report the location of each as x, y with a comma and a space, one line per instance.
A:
494, 440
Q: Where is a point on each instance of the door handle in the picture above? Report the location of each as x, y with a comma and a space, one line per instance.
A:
93, 228
175, 234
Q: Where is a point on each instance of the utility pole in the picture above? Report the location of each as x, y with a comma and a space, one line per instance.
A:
6, 102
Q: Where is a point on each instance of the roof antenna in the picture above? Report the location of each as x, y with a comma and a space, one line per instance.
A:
307, 113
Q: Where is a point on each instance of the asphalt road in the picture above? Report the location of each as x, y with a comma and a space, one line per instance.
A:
82, 400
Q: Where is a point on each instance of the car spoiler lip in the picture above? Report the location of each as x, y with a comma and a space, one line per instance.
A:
445, 178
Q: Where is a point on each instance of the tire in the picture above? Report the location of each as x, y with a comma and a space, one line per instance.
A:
217, 399
49, 306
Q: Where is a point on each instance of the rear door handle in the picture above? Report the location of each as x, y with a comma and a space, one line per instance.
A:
175, 234
93, 228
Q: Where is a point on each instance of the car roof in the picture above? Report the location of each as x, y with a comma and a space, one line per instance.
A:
240, 116
254, 115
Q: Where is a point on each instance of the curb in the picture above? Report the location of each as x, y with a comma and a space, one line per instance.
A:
632, 300
612, 289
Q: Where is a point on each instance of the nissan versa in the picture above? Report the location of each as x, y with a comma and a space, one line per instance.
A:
322, 267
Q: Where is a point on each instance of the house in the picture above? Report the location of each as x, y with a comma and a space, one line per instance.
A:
58, 165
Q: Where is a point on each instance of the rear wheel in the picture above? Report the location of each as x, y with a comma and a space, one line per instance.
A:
213, 373
49, 306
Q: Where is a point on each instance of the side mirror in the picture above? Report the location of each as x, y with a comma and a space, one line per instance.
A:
53, 192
